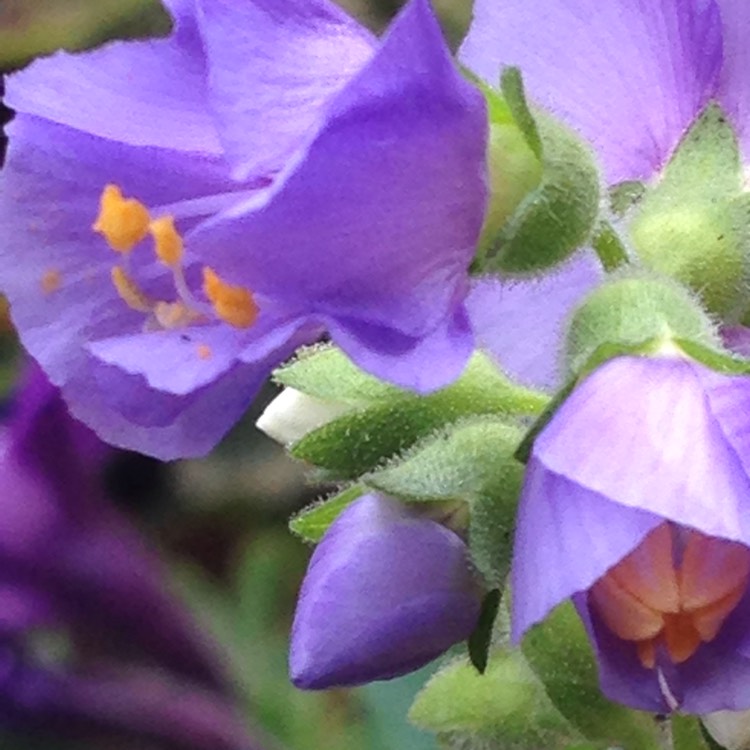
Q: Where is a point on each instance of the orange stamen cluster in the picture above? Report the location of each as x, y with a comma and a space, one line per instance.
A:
675, 591
124, 222
233, 304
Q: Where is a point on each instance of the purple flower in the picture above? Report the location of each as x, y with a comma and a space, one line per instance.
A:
635, 505
386, 592
269, 172
71, 565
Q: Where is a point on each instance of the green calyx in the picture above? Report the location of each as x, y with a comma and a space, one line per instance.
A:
636, 314
694, 224
545, 187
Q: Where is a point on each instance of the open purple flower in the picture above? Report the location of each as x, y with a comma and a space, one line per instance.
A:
386, 592
137, 667
635, 505
269, 172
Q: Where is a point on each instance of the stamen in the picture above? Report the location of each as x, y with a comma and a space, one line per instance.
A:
168, 242
655, 598
129, 291
123, 222
233, 304
172, 315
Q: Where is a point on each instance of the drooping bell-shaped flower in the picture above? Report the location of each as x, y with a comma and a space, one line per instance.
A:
635, 505
386, 592
179, 215
133, 666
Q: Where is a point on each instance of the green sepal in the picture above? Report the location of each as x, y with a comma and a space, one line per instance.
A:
624, 196
388, 420
312, 522
481, 638
504, 708
560, 654
556, 217
694, 225
688, 734
633, 313
471, 461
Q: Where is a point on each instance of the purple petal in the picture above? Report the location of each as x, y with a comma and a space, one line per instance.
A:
521, 322
385, 593
644, 433
423, 364
714, 678
149, 93
273, 66
629, 76
734, 85
557, 519
378, 220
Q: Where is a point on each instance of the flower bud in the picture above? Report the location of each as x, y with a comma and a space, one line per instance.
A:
386, 592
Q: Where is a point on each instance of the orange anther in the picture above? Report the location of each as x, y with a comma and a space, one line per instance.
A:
233, 304
129, 291
123, 222
167, 241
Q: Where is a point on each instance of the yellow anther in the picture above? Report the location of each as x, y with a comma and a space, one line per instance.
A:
124, 222
129, 291
167, 241
233, 304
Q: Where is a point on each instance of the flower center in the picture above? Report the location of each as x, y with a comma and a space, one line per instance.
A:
673, 592
124, 223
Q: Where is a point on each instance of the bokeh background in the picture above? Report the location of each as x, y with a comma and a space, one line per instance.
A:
221, 523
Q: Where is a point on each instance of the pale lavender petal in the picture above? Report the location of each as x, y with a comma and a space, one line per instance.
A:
273, 66
629, 75
385, 593
378, 220
521, 322
644, 433
150, 93
734, 85
566, 538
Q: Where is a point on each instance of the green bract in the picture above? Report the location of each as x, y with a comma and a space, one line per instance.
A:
693, 225
546, 187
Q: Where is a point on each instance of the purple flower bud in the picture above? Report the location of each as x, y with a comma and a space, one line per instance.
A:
386, 592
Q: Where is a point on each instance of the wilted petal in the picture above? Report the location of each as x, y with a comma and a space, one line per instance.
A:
385, 593
629, 76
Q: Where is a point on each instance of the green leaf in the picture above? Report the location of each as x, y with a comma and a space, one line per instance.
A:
388, 422
472, 461
312, 522
31, 28
688, 734
559, 653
